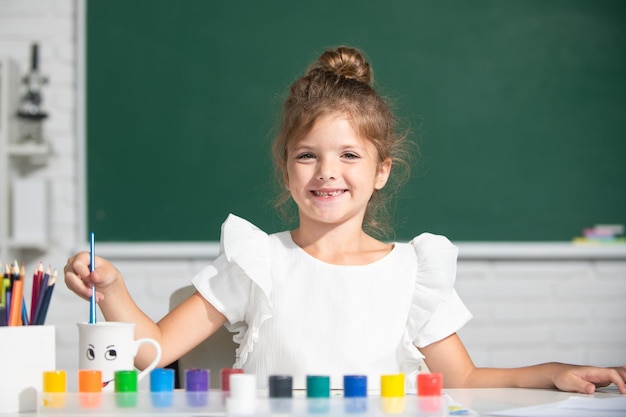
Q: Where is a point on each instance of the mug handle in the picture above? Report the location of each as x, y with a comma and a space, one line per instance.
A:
157, 357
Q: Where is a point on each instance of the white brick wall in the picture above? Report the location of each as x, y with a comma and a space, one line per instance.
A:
538, 311
525, 311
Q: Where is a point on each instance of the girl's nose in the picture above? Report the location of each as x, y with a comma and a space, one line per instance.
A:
326, 171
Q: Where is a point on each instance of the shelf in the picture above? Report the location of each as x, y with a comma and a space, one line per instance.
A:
541, 251
18, 160
28, 149
34, 244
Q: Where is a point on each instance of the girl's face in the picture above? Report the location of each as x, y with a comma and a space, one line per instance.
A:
332, 172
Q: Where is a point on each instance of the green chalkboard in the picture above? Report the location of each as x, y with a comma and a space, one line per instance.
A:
519, 108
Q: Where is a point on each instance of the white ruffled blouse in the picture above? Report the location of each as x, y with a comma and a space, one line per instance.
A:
296, 315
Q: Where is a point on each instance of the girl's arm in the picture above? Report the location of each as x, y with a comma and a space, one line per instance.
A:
179, 331
186, 326
449, 357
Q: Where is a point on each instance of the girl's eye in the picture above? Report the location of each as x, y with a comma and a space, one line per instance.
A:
350, 155
305, 156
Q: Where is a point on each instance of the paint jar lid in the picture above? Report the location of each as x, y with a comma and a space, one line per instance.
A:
392, 385
161, 380
54, 381
355, 386
317, 386
89, 380
197, 379
225, 374
281, 386
126, 381
242, 386
429, 384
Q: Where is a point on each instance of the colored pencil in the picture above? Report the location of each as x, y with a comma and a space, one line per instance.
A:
9, 270
15, 275
8, 274
15, 314
42, 289
41, 318
8, 282
7, 312
4, 285
3, 289
92, 267
34, 296
15, 270
24, 313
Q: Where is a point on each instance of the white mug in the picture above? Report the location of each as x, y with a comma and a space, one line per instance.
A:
111, 346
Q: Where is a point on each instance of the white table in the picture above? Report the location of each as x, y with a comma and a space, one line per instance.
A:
489, 400
484, 402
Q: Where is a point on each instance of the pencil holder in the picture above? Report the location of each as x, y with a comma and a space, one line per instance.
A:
28, 352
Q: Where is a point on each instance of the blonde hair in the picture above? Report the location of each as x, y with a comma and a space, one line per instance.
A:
341, 82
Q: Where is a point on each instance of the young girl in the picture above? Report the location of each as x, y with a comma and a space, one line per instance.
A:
328, 298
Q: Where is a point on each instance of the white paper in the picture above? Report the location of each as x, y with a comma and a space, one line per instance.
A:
574, 406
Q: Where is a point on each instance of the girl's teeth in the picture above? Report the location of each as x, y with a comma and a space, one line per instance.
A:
328, 194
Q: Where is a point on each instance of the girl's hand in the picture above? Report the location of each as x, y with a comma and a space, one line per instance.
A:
585, 379
80, 279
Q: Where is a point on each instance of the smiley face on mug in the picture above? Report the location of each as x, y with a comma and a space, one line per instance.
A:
110, 347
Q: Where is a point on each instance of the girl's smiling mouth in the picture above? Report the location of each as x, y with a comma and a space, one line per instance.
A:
327, 193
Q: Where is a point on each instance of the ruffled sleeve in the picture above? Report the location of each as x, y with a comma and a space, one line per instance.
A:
436, 309
238, 282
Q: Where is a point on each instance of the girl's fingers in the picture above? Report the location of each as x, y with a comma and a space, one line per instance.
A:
78, 278
75, 284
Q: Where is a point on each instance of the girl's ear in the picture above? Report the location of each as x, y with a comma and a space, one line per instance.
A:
384, 169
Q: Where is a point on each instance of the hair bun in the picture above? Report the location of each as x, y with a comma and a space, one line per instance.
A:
346, 62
